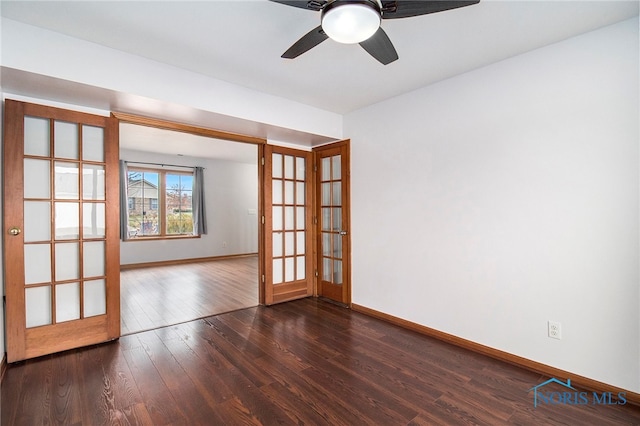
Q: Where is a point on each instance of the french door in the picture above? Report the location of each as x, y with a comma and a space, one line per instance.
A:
333, 218
288, 224
61, 230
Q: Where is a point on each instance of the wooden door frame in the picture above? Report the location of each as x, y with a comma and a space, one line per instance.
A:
224, 135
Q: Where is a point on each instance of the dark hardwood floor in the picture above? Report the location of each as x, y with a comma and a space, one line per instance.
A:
304, 362
166, 295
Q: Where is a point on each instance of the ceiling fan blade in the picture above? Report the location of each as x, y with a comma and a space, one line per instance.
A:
380, 47
408, 8
306, 42
303, 4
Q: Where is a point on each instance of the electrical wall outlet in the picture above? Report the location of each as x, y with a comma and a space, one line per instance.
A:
555, 330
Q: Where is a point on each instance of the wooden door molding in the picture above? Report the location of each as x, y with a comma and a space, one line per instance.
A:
187, 128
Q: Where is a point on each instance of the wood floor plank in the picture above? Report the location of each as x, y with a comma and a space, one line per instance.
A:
310, 395
301, 411
183, 390
369, 403
236, 355
108, 389
33, 405
66, 407
303, 362
197, 338
249, 405
263, 336
209, 385
13, 382
385, 372
235, 339
158, 400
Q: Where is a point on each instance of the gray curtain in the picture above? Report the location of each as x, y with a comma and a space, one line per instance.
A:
124, 202
199, 214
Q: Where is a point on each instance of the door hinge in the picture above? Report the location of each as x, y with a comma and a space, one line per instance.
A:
315, 167
263, 278
316, 273
263, 219
262, 161
315, 220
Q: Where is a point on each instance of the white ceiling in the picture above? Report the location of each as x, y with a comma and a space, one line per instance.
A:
241, 41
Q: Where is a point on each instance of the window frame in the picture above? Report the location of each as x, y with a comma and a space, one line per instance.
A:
161, 202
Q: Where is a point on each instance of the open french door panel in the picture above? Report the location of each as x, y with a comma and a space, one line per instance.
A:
62, 256
288, 224
332, 228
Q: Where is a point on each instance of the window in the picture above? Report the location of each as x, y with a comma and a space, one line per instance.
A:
179, 211
160, 203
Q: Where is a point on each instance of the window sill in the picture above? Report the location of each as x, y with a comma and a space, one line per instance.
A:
162, 237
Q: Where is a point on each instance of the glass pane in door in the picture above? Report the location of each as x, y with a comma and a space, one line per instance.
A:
37, 175
336, 167
277, 271
36, 136
37, 263
65, 140
67, 302
331, 218
93, 261
94, 298
300, 268
37, 221
66, 184
67, 221
93, 220
93, 182
276, 161
92, 143
38, 306
67, 261
288, 216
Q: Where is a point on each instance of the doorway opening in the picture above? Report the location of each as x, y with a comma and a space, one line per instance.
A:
170, 277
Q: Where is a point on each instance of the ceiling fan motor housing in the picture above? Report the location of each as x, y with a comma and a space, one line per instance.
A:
351, 21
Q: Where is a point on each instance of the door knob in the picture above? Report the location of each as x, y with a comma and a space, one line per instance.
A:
343, 233
14, 231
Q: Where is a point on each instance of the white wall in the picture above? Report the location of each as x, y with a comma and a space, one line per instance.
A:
231, 197
489, 203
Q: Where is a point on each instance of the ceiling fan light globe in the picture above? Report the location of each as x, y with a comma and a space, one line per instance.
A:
350, 23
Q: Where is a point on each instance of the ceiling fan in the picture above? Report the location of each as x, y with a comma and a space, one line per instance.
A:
358, 21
